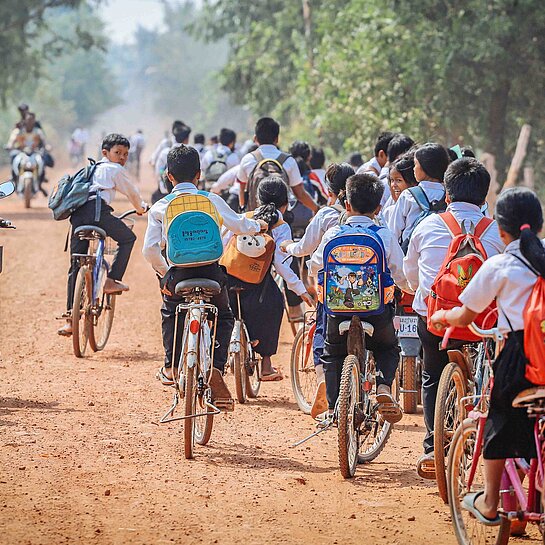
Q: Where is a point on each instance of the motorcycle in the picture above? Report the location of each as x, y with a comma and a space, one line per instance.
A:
29, 166
6, 189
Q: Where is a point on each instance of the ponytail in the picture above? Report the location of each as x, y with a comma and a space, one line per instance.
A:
532, 249
272, 194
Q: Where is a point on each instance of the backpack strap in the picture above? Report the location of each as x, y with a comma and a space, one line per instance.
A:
257, 155
282, 158
420, 197
483, 226
452, 225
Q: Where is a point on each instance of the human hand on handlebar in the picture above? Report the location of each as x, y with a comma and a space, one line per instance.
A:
307, 298
284, 245
145, 208
439, 321
264, 225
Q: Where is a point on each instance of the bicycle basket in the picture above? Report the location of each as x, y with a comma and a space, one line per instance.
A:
110, 246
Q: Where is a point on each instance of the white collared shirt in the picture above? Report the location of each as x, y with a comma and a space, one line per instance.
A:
164, 143
228, 180
407, 210
282, 265
111, 177
231, 159
504, 278
429, 244
269, 151
373, 166
155, 238
394, 253
387, 211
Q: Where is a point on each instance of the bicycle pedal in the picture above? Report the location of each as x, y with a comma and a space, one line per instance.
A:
227, 405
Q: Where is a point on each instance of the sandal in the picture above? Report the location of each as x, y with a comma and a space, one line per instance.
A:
272, 377
163, 379
425, 466
468, 503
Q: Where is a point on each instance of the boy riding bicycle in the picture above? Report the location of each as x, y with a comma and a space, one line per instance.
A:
109, 176
183, 166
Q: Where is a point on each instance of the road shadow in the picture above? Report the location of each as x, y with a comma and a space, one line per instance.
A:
388, 475
135, 356
10, 405
39, 214
274, 403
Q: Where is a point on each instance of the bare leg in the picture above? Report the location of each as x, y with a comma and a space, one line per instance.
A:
487, 503
266, 366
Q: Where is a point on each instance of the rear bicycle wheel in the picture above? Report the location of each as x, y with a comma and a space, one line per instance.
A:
80, 311
251, 372
190, 398
467, 529
27, 193
239, 359
409, 380
102, 319
203, 424
452, 387
302, 372
347, 417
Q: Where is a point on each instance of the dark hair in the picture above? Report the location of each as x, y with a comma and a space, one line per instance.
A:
317, 158
183, 163
300, 149
398, 145
383, 140
199, 138
364, 192
516, 207
115, 140
433, 159
181, 133
177, 124
405, 166
452, 154
467, 151
227, 137
355, 159
336, 176
267, 130
214, 139
272, 194
303, 165
467, 180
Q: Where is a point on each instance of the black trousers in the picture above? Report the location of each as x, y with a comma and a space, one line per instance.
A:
114, 227
225, 323
383, 344
292, 298
435, 360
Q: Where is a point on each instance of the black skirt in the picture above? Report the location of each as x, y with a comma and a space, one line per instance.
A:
262, 310
508, 432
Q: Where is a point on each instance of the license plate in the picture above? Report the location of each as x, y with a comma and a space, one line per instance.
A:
406, 326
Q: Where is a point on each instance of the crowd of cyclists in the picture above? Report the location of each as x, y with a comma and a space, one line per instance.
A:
349, 239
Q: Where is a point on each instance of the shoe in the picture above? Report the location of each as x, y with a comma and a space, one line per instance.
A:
114, 286
388, 407
221, 396
319, 405
66, 329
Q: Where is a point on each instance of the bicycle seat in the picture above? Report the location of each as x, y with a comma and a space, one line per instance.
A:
368, 329
90, 232
529, 397
208, 287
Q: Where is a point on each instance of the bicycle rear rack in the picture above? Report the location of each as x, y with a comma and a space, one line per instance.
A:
170, 413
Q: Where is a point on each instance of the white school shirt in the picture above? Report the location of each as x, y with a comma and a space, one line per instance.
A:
231, 160
394, 253
506, 279
269, 151
382, 173
429, 244
387, 211
281, 264
407, 209
111, 177
155, 238
228, 180
371, 166
164, 143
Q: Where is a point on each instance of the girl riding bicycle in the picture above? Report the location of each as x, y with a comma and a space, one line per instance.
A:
509, 279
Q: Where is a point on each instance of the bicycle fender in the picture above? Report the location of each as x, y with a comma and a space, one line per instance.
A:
409, 346
234, 344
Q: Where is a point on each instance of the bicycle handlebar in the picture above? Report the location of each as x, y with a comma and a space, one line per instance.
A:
129, 213
493, 333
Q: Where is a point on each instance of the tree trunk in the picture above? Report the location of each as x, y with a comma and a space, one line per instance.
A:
497, 120
518, 157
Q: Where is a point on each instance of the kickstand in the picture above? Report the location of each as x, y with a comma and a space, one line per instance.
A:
325, 427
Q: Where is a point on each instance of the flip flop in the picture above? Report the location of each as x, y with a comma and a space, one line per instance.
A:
468, 503
388, 408
425, 466
319, 405
273, 377
163, 379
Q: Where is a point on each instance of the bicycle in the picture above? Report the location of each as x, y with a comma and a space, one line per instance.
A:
242, 358
92, 310
6, 189
302, 370
465, 467
194, 370
362, 431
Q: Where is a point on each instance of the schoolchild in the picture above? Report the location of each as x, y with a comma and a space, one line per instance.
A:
509, 279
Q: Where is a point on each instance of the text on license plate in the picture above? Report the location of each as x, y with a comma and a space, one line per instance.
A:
406, 326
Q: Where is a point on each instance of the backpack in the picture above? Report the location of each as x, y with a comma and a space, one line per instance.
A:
192, 225
217, 167
465, 256
534, 330
356, 279
263, 169
249, 257
71, 192
426, 209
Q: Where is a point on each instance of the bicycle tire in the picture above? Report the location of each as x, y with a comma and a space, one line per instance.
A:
27, 193
349, 398
298, 371
190, 396
80, 319
202, 434
410, 382
252, 377
467, 529
103, 323
239, 371
452, 387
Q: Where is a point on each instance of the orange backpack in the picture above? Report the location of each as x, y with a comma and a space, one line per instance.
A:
465, 256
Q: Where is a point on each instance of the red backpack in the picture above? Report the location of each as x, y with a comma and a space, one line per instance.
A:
465, 256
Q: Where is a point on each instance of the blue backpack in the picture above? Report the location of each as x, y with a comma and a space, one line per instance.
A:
356, 278
193, 230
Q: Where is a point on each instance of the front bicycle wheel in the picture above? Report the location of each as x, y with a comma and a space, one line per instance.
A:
251, 372
80, 311
410, 384
467, 529
452, 387
348, 417
302, 371
203, 424
239, 359
101, 319
190, 398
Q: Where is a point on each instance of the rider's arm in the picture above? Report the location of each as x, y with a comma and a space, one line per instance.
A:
125, 186
238, 223
304, 198
226, 180
313, 233
316, 262
282, 267
153, 242
12, 138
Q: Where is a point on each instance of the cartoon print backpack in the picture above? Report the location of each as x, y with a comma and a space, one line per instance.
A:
356, 279
192, 226
426, 208
249, 257
534, 329
263, 169
465, 256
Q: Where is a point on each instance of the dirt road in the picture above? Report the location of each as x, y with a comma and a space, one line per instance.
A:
83, 460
